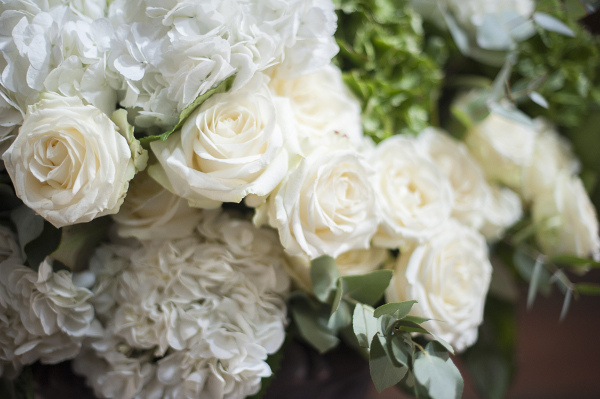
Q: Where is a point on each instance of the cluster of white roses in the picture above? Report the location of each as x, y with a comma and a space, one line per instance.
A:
189, 317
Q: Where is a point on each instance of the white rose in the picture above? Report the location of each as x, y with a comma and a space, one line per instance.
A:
502, 210
503, 148
414, 196
551, 154
566, 219
69, 163
322, 104
149, 212
326, 206
233, 145
449, 276
463, 173
361, 261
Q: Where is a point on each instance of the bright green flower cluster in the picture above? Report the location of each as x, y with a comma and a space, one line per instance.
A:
384, 63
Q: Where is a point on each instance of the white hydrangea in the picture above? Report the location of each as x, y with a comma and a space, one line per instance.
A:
43, 315
173, 51
209, 305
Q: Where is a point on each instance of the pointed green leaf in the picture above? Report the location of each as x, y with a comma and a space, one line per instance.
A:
341, 318
364, 324
29, 224
401, 351
400, 308
416, 319
311, 322
550, 23
324, 275
566, 303
533, 284
79, 241
38, 249
574, 261
409, 326
367, 288
222, 87
383, 372
588, 288
440, 377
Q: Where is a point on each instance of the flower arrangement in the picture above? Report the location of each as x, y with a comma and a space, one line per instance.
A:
186, 183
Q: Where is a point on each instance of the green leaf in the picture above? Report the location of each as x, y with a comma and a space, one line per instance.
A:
400, 308
535, 279
539, 99
367, 288
311, 321
574, 261
409, 326
341, 318
525, 266
324, 275
29, 224
443, 343
566, 303
416, 319
78, 242
383, 371
402, 352
38, 249
364, 324
441, 377
21, 387
436, 349
552, 24
588, 288
222, 87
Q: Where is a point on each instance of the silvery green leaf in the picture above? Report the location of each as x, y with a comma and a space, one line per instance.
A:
311, 322
566, 303
416, 319
78, 242
435, 348
383, 371
443, 343
550, 23
399, 309
461, 39
588, 288
341, 318
324, 275
513, 114
535, 279
441, 378
492, 35
367, 288
364, 324
539, 99
29, 224
401, 351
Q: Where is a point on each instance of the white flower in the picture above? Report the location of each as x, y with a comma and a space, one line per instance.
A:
449, 276
210, 305
322, 104
471, 13
232, 146
414, 196
361, 261
462, 171
9, 248
566, 220
326, 206
150, 212
69, 163
43, 314
502, 210
551, 154
503, 148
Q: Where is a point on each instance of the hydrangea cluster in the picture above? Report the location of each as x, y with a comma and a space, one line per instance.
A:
189, 317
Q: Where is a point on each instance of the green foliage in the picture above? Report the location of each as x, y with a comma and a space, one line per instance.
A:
568, 66
78, 242
384, 65
21, 387
222, 87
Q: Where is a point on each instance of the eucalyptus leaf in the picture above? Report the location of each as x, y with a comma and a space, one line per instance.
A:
222, 87
436, 349
402, 352
539, 99
311, 322
566, 303
441, 377
367, 288
46, 243
525, 266
409, 326
574, 261
79, 241
416, 319
29, 224
588, 288
399, 309
492, 35
384, 372
341, 318
324, 275
552, 24
364, 324
443, 343
533, 284
513, 114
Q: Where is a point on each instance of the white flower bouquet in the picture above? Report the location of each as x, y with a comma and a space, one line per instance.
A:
188, 185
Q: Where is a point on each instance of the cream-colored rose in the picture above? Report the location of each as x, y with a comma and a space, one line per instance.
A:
361, 261
321, 104
69, 163
551, 154
150, 212
462, 171
326, 206
414, 196
233, 145
566, 220
449, 276
502, 210
503, 148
